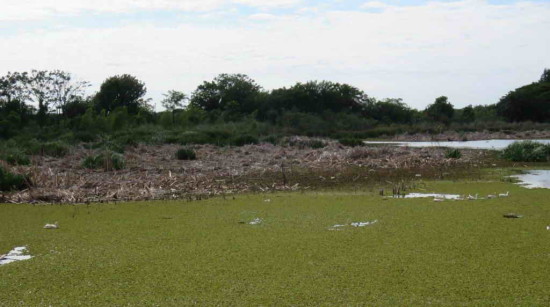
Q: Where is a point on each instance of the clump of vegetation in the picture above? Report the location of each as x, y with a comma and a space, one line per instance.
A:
352, 142
527, 151
11, 182
305, 143
242, 140
453, 154
272, 139
109, 145
186, 154
106, 160
193, 137
52, 149
14, 156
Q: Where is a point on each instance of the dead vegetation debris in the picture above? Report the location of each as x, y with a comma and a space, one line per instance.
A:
153, 173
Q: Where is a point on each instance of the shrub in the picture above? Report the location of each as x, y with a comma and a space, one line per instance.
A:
315, 144
453, 154
109, 145
15, 157
11, 182
186, 154
52, 149
192, 137
272, 139
352, 142
527, 151
85, 136
305, 142
242, 140
106, 160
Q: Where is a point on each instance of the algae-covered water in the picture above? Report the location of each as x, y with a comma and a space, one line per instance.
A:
418, 252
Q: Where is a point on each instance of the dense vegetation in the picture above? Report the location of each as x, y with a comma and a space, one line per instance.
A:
40, 106
527, 151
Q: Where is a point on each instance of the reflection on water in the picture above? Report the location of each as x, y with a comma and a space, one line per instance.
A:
534, 179
483, 144
17, 254
433, 195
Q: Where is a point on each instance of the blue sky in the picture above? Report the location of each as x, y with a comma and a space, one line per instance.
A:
473, 51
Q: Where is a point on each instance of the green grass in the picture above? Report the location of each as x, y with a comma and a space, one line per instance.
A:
180, 253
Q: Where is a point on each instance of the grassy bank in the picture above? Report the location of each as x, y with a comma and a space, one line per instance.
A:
172, 253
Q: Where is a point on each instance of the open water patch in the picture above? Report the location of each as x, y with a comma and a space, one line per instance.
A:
434, 195
16, 254
534, 179
354, 224
482, 144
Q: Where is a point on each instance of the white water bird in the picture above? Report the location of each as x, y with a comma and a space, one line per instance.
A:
492, 196
51, 226
470, 197
504, 194
363, 224
256, 221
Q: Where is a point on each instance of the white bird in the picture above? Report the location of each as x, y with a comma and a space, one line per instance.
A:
491, 196
503, 194
51, 226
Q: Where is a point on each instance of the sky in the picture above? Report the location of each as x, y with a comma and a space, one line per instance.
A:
472, 51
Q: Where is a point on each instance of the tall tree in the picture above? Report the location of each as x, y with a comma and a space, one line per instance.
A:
529, 102
13, 86
233, 92
121, 91
545, 76
65, 90
173, 100
441, 110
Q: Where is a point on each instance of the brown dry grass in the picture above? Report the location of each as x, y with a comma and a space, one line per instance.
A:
153, 172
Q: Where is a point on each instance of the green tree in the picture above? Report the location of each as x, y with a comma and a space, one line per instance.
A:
389, 111
441, 110
173, 100
545, 76
121, 91
316, 97
529, 102
228, 92
468, 114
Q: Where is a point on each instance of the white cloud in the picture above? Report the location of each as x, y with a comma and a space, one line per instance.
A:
375, 5
471, 51
39, 9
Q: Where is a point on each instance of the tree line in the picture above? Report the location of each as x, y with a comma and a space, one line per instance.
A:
39, 100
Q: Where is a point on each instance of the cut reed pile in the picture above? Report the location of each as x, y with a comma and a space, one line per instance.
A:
153, 172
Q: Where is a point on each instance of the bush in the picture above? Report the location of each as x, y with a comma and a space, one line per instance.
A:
11, 182
305, 142
453, 154
108, 145
52, 149
192, 137
242, 140
15, 157
85, 136
352, 142
107, 160
272, 139
527, 151
186, 154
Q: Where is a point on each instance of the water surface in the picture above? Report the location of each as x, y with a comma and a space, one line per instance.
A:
534, 179
482, 144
